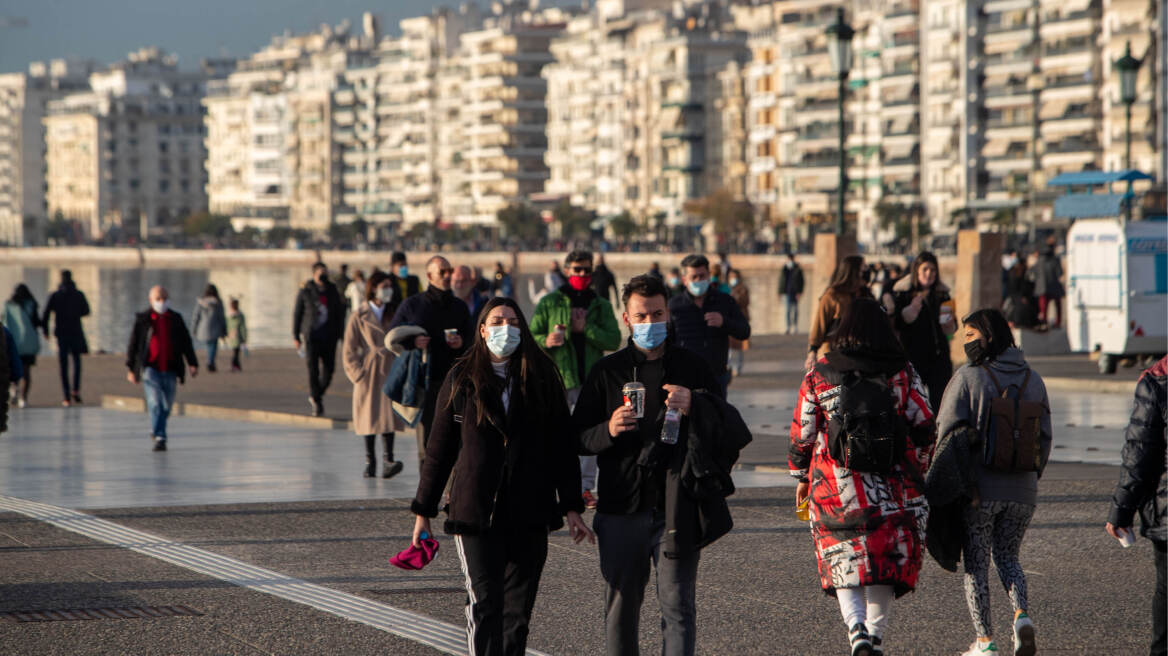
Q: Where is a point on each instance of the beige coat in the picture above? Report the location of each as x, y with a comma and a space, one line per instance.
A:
367, 363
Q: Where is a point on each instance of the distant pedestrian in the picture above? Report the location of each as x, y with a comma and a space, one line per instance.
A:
1048, 287
791, 290
604, 283
462, 284
70, 305
448, 332
502, 283
503, 442
209, 323
846, 285
408, 284
11, 371
367, 362
1019, 306
159, 344
740, 292
867, 517
342, 279
674, 283
1006, 494
1143, 487
22, 318
704, 318
718, 278
236, 333
318, 322
355, 290
922, 313
655, 271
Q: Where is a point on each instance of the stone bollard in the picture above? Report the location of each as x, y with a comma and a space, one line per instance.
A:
979, 279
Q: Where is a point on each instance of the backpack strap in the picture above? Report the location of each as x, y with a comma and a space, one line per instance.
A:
1025, 381
994, 379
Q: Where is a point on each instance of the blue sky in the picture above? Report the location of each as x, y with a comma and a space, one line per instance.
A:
106, 30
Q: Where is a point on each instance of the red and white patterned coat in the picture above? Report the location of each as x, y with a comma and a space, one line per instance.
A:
869, 528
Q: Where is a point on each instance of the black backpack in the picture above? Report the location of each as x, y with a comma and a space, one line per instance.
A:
865, 433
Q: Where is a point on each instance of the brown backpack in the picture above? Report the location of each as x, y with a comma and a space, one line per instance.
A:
1013, 439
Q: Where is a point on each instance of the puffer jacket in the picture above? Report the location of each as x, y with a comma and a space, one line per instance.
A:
1143, 484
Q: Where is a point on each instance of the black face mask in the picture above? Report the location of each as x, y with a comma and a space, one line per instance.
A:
975, 352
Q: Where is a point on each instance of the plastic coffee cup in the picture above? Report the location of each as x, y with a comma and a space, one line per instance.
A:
561, 328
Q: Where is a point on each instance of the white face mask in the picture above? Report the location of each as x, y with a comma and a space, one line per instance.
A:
160, 307
503, 340
385, 294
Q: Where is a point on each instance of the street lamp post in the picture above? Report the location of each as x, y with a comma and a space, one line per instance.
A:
839, 47
1129, 71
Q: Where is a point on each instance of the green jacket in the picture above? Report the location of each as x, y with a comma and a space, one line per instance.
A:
601, 333
236, 330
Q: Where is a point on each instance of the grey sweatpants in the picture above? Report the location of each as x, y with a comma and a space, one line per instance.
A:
629, 545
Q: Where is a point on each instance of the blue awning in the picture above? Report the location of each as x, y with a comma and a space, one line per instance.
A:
1089, 206
1098, 177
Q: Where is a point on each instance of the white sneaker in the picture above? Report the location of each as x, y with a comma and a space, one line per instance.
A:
1024, 635
980, 649
20, 403
860, 640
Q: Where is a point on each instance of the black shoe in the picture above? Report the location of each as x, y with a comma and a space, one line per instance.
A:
317, 407
370, 469
159, 445
876, 650
211, 368
391, 468
76, 398
860, 641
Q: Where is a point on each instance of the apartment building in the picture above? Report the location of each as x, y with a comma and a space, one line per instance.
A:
23, 100
127, 157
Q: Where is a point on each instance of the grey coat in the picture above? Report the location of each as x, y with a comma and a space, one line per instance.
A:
967, 399
209, 322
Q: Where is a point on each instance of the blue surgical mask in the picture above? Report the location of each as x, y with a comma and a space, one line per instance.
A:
403, 271
503, 340
650, 335
674, 281
699, 287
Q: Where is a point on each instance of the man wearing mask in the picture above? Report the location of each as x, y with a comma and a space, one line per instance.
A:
674, 282
407, 285
704, 319
791, 289
447, 322
463, 285
318, 322
159, 343
631, 514
576, 326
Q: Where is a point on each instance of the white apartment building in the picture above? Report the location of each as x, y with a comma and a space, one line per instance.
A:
23, 100
128, 157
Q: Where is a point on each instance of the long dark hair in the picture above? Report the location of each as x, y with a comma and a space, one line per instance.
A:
848, 276
866, 329
991, 323
921, 260
536, 375
211, 291
22, 294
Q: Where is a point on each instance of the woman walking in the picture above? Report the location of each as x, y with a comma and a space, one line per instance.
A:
367, 363
847, 284
210, 323
21, 317
868, 521
501, 427
996, 524
237, 332
923, 315
740, 292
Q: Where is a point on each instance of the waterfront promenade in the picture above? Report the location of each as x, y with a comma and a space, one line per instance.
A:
269, 533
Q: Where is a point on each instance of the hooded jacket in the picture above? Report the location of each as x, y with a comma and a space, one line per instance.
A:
1143, 484
209, 322
601, 333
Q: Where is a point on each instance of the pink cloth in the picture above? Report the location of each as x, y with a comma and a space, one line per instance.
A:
414, 557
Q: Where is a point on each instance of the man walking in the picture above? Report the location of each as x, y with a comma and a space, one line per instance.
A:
576, 326
462, 283
407, 285
791, 289
69, 304
318, 321
159, 343
603, 281
447, 322
704, 319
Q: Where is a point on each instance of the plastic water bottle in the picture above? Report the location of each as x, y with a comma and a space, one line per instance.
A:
671, 427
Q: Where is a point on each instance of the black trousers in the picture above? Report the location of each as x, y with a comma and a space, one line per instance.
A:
502, 569
322, 361
235, 357
1160, 601
64, 354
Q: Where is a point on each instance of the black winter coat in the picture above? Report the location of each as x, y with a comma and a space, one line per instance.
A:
304, 315
516, 468
1143, 483
69, 304
602, 282
690, 330
950, 486
138, 350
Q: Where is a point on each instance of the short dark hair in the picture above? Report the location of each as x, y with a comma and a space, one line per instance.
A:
644, 285
397, 256
991, 323
695, 261
578, 256
866, 327
318, 265
344, 267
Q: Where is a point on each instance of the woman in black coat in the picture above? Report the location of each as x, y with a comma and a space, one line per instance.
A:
501, 426
923, 315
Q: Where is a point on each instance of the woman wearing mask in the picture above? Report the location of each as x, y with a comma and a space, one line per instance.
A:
740, 292
923, 315
500, 428
996, 525
847, 284
209, 323
21, 318
868, 526
367, 362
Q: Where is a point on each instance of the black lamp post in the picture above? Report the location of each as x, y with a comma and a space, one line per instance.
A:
839, 47
1129, 72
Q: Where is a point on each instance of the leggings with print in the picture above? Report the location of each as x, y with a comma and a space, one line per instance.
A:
994, 527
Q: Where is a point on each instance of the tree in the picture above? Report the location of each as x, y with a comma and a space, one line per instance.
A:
573, 221
901, 218
731, 217
205, 224
623, 225
521, 220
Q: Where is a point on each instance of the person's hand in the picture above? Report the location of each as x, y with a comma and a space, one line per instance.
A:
133, 378
918, 300
622, 420
801, 492
194, 369
555, 338
297, 343
579, 315
809, 362
1114, 531
455, 341
714, 319
422, 342
679, 397
421, 525
578, 529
